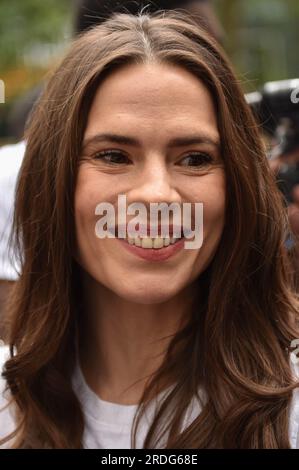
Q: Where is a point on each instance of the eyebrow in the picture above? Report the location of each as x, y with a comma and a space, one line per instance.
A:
175, 142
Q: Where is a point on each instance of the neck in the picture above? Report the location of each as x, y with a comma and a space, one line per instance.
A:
122, 344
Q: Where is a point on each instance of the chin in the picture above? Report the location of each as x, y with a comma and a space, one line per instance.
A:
147, 294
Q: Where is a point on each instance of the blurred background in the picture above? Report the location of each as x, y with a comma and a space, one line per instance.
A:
260, 37
33, 35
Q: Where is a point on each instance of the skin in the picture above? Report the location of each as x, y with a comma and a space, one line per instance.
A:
133, 306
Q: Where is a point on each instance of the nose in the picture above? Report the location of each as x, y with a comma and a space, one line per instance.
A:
155, 184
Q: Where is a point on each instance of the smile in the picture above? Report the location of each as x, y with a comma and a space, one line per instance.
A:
108, 222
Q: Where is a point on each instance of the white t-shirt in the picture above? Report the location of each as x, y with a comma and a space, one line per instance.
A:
11, 157
108, 425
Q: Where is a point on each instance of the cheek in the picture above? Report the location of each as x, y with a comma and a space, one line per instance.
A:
87, 196
90, 191
84, 203
214, 211
212, 193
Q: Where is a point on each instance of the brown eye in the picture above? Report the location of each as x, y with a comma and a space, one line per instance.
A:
111, 157
198, 159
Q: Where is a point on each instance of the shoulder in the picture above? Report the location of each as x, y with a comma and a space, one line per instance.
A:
294, 407
6, 415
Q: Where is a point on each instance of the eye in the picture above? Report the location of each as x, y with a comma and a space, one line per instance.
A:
198, 159
111, 157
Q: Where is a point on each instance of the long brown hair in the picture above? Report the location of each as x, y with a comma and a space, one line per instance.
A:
245, 315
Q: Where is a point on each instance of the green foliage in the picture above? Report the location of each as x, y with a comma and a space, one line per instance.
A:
23, 23
262, 38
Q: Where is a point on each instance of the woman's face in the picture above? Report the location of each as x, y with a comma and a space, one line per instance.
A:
152, 105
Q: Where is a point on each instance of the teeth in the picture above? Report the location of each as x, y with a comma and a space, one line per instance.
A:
158, 242
137, 241
166, 241
149, 243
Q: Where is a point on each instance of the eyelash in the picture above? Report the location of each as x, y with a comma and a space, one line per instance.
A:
99, 155
207, 159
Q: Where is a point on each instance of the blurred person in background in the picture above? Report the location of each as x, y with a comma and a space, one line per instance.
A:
11, 157
276, 108
289, 160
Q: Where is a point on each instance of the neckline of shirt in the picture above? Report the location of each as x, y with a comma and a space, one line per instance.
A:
105, 412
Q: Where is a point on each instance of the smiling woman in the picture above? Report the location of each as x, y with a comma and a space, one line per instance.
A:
109, 348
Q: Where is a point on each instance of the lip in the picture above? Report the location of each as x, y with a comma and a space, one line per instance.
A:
152, 254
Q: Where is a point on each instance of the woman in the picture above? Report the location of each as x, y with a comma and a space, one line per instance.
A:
195, 346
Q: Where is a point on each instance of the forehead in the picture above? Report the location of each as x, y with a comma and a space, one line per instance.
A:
152, 96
